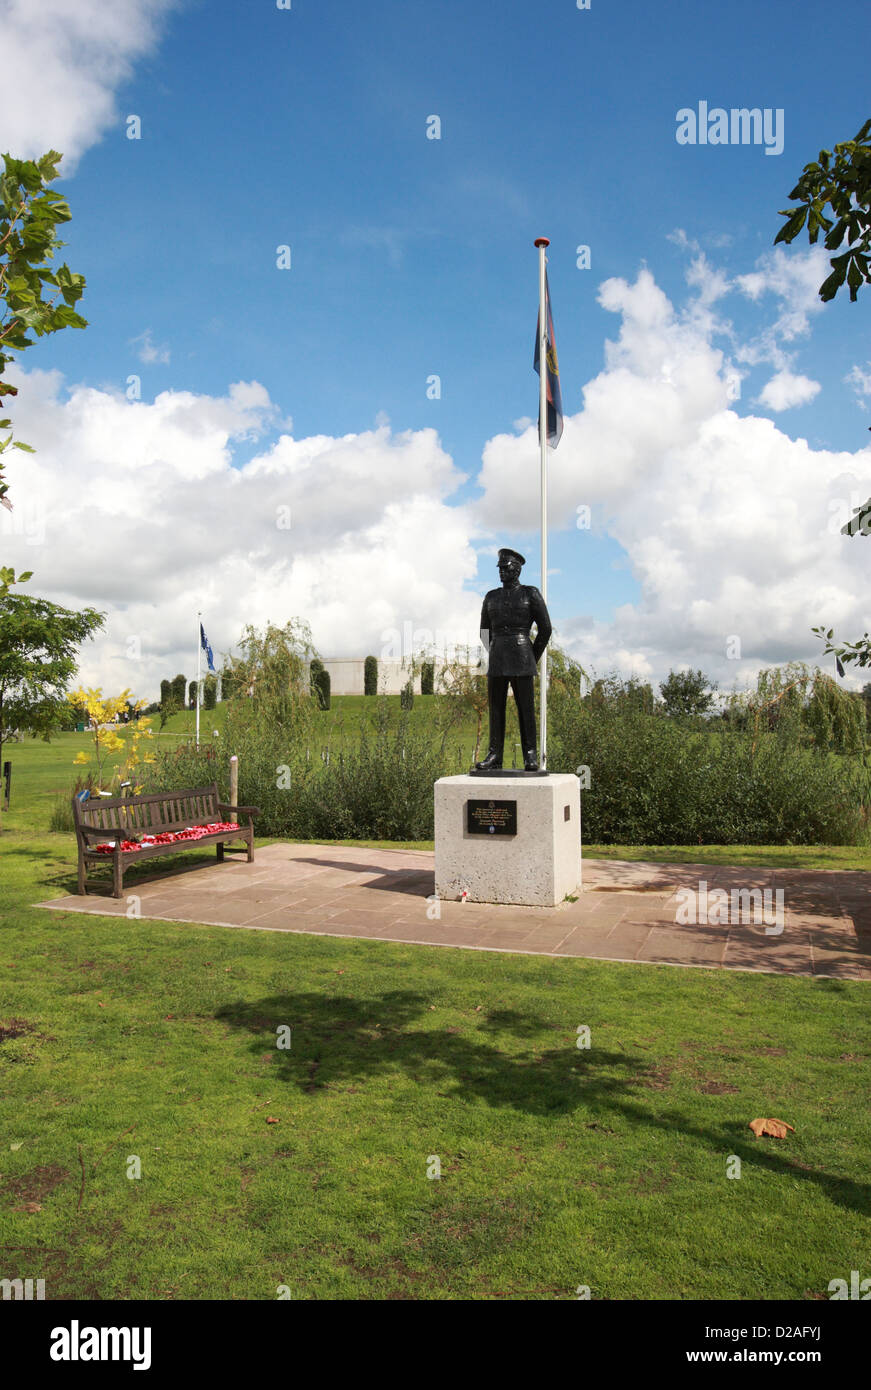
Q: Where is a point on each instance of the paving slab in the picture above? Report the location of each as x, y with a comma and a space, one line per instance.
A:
626, 911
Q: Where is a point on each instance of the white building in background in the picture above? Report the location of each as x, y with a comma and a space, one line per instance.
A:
347, 675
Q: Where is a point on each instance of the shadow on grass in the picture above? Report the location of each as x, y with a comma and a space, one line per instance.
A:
339, 1040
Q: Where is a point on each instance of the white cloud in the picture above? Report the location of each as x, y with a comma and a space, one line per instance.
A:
147, 350
794, 279
137, 509
860, 380
785, 390
62, 65
730, 526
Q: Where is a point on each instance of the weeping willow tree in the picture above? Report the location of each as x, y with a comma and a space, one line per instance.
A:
271, 701
270, 674
804, 705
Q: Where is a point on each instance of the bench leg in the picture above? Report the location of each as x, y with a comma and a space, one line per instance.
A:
250, 847
117, 877
82, 875
219, 850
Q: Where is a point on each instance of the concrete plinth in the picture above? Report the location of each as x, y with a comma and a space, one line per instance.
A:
536, 863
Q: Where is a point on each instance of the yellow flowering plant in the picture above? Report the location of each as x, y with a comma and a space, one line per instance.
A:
108, 741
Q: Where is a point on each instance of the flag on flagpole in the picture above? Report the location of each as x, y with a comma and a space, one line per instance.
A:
554, 397
204, 643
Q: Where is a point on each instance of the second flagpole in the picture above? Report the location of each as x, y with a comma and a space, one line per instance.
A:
542, 243
199, 663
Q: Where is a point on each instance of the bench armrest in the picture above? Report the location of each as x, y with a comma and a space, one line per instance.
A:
246, 810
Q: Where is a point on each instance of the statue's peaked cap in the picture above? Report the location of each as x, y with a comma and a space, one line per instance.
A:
512, 555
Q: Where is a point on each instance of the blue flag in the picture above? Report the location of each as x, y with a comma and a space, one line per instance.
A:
204, 643
554, 396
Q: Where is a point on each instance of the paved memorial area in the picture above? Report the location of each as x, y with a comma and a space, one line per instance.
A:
625, 911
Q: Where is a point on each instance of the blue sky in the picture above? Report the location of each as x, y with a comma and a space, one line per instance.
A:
412, 256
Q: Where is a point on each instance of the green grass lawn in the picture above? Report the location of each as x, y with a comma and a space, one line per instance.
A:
339, 723
124, 1039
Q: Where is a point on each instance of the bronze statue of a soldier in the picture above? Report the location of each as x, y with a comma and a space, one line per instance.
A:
507, 617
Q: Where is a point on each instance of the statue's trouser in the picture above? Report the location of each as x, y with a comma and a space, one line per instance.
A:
524, 699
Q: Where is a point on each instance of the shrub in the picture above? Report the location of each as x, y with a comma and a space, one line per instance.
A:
192, 695
381, 788
61, 817
322, 689
655, 781
427, 678
210, 692
316, 672
370, 676
406, 696
167, 709
179, 686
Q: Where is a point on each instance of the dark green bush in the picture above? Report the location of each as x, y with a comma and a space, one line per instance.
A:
427, 678
322, 689
370, 676
653, 781
406, 696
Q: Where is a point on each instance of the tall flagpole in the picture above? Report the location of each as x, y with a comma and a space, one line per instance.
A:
542, 243
199, 662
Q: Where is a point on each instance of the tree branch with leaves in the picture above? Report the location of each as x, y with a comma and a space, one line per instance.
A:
839, 181
34, 297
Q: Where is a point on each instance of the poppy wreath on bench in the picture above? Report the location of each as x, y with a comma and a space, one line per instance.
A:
168, 837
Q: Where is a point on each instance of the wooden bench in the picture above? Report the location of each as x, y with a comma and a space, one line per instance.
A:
101, 820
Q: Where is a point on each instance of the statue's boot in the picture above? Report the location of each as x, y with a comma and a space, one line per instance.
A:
491, 763
530, 761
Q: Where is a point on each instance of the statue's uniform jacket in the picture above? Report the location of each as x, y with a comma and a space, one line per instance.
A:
508, 615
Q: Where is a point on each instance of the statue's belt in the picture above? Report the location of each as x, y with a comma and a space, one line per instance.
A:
511, 632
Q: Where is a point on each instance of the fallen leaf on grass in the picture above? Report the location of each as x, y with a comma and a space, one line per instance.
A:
776, 1128
30, 1207
270, 1120
15, 1147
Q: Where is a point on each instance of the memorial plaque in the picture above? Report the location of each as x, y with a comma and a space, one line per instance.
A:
491, 817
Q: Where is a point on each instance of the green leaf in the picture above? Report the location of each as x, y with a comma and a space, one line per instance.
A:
47, 165
63, 317
791, 229
836, 235
28, 448
854, 279
830, 286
